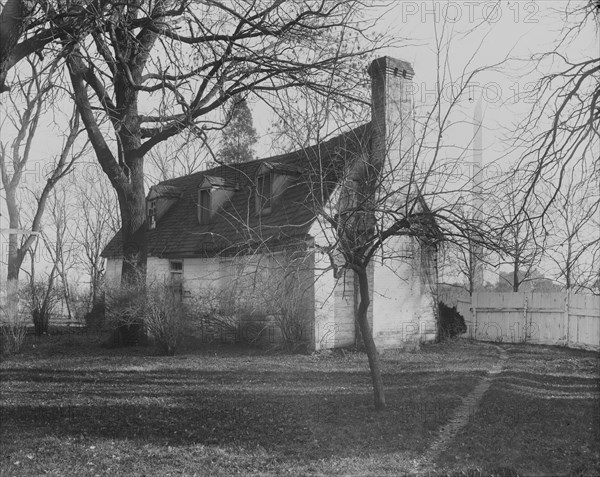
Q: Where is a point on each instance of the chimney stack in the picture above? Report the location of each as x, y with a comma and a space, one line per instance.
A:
391, 118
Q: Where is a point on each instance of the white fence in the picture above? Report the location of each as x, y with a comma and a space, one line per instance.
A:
540, 318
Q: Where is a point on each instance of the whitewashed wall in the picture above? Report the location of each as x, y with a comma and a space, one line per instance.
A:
404, 301
113, 271
158, 270
324, 284
402, 305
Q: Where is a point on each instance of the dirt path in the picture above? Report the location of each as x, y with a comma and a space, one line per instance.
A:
462, 414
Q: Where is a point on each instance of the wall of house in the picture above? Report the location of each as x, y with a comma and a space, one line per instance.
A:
344, 306
158, 271
113, 270
252, 289
395, 294
334, 296
324, 284
429, 294
402, 294
404, 300
201, 274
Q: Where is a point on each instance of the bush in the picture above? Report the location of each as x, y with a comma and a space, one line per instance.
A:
95, 318
211, 316
164, 318
451, 322
154, 312
124, 314
12, 334
43, 296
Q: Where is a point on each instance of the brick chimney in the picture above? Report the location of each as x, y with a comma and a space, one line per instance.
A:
391, 117
398, 308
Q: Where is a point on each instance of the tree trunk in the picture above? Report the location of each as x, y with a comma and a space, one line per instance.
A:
133, 236
15, 258
132, 203
368, 341
13, 20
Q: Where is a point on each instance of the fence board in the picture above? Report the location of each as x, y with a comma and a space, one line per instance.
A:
543, 318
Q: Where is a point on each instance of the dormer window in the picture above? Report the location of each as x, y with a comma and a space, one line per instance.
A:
160, 199
213, 193
272, 179
204, 206
151, 214
264, 193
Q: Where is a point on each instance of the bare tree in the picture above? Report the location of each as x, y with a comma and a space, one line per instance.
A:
14, 20
97, 220
462, 261
62, 250
179, 156
27, 103
29, 28
42, 295
570, 96
575, 239
142, 72
523, 244
396, 202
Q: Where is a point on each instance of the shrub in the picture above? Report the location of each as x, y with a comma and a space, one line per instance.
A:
164, 318
154, 312
451, 322
211, 316
42, 300
12, 333
95, 318
124, 314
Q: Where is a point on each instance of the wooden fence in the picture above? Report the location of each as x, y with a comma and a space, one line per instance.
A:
541, 318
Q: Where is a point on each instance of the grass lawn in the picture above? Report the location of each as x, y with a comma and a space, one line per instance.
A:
70, 407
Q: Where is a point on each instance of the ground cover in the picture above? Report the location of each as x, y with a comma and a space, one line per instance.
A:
71, 407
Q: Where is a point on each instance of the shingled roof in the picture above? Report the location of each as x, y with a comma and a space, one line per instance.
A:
236, 226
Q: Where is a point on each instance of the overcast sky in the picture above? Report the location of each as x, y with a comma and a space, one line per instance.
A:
484, 33
499, 30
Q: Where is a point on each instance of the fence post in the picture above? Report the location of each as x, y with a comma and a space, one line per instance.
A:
525, 319
474, 310
568, 316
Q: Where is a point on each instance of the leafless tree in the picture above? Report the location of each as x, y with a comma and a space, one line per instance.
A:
412, 194
179, 156
21, 115
94, 220
142, 72
42, 293
570, 97
62, 249
575, 239
523, 244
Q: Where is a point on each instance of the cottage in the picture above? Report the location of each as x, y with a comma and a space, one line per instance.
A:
262, 238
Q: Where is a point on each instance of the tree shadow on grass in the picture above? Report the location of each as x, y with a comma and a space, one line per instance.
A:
308, 414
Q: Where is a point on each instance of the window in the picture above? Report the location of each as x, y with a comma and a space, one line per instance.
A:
151, 214
205, 205
264, 193
176, 267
